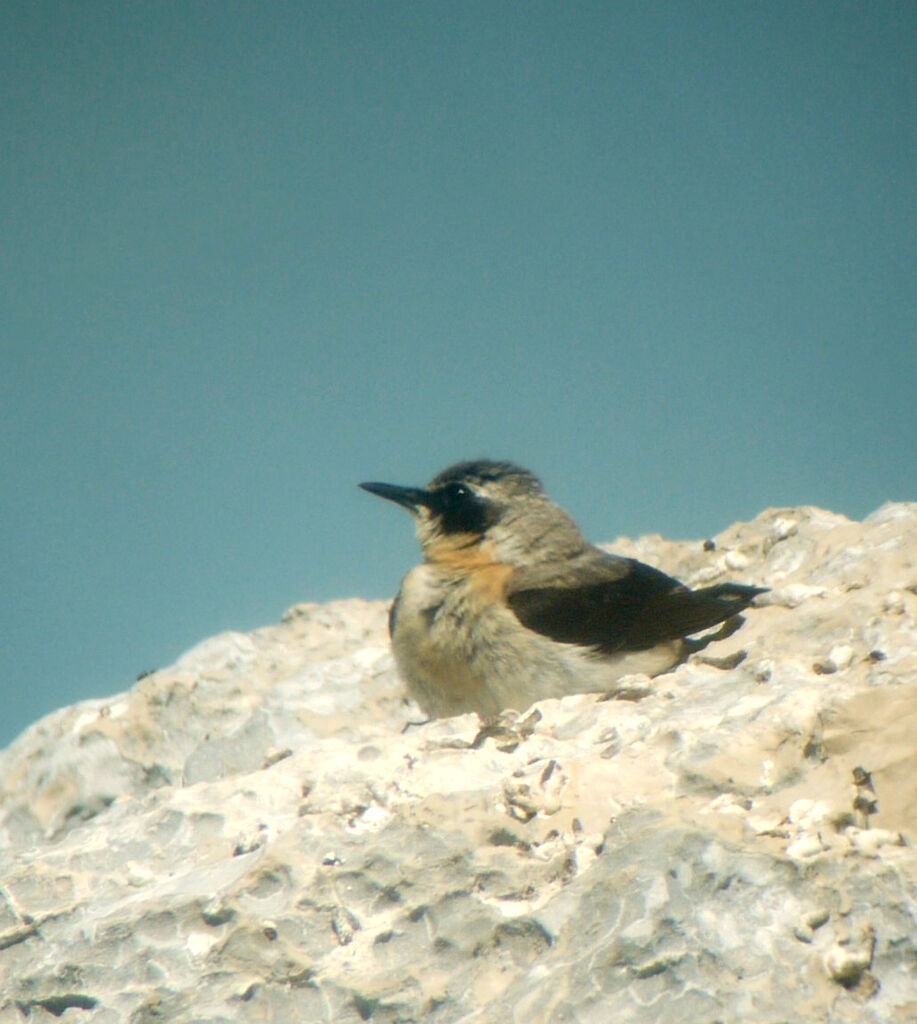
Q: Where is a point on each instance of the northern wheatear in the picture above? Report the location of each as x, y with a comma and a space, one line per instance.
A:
512, 604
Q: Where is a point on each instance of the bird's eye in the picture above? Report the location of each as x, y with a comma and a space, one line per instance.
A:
463, 510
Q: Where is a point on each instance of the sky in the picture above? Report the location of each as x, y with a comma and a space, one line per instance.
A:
662, 254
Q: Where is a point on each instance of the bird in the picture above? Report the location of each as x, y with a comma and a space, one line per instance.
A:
512, 605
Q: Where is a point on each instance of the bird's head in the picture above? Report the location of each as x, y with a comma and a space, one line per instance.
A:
498, 504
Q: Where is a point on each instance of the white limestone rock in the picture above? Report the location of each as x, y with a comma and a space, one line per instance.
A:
253, 834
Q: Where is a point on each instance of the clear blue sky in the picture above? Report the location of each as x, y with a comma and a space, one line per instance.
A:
661, 253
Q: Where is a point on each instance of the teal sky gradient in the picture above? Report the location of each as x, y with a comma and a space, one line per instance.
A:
661, 253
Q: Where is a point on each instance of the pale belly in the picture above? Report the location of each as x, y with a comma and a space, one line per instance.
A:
459, 652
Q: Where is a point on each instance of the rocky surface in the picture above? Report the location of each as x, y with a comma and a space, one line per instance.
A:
254, 834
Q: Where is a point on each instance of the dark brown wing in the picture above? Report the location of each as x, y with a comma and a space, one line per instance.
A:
619, 604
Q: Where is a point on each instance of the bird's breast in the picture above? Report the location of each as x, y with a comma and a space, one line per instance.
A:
447, 610
474, 565
451, 627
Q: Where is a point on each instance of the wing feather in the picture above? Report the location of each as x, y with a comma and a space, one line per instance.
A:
614, 604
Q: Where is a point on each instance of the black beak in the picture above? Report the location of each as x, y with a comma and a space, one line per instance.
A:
410, 497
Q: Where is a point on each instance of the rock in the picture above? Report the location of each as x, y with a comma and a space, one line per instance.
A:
259, 832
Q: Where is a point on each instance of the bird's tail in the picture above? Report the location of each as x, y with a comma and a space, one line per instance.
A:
734, 595
711, 605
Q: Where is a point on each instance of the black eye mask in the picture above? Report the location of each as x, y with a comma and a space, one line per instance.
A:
460, 510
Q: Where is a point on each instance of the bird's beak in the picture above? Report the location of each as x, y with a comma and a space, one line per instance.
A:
410, 497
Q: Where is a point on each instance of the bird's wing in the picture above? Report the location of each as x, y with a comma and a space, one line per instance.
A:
612, 603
